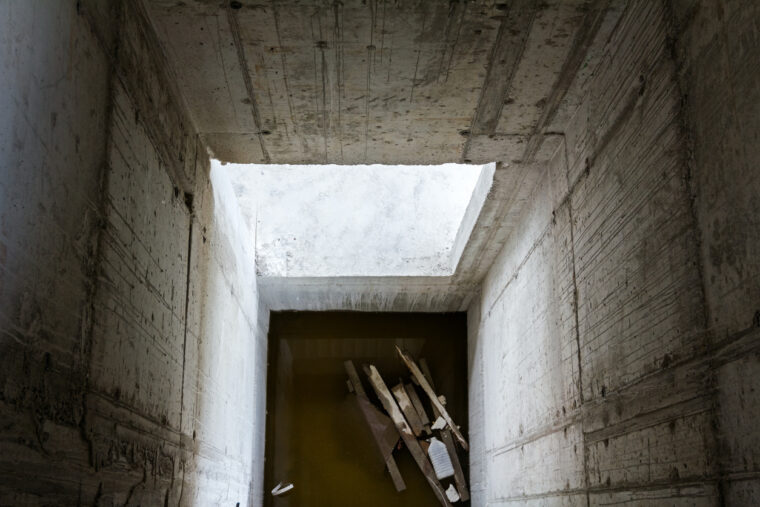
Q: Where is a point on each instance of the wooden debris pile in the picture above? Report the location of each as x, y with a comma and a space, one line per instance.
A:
431, 444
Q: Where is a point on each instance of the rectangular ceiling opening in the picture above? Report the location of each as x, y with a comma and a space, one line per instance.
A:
359, 221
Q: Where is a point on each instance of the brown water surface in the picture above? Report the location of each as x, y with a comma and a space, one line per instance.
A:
316, 437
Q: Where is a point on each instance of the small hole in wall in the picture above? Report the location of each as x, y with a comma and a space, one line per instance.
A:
189, 201
235, 4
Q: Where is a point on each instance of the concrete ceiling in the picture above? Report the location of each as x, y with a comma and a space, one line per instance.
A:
374, 81
390, 82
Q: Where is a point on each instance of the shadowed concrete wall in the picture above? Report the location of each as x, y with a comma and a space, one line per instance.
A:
715, 45
131, 347
55, 77
614, 334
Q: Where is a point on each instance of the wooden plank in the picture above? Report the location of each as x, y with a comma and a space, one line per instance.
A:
419, 407
398, 481
353, 376
408, 409
390, 462
459, 478
433, 397
389, 403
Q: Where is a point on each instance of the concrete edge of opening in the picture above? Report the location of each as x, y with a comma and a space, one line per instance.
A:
471, 214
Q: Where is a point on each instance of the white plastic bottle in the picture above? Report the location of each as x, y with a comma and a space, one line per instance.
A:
440, 458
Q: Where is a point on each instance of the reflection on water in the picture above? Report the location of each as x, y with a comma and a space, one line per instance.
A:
316, 437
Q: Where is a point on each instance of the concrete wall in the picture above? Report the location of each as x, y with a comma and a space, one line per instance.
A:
131, 348
225, 391
613, 340
715, 43
613, 346
54, 73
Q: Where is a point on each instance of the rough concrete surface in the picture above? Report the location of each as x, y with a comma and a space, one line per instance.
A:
369, 82
376, 220
609, 371
121, 272
610, 277
54, 115
722, 114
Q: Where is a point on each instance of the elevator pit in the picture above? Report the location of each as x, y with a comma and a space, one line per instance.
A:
314, 439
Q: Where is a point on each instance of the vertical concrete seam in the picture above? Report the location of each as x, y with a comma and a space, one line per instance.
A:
568, 201
93, 261
691, 188
687, 148
98, 238
598, 147
191, 217
184, 339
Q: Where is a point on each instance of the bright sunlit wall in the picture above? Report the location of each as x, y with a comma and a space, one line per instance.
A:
370, 220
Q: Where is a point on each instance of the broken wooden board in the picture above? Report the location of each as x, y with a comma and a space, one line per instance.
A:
384, 439
419, 407
389, 403
446, 438
433, 397
408, 409
353, 376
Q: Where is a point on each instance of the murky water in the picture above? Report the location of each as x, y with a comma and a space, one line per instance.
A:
316, 437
